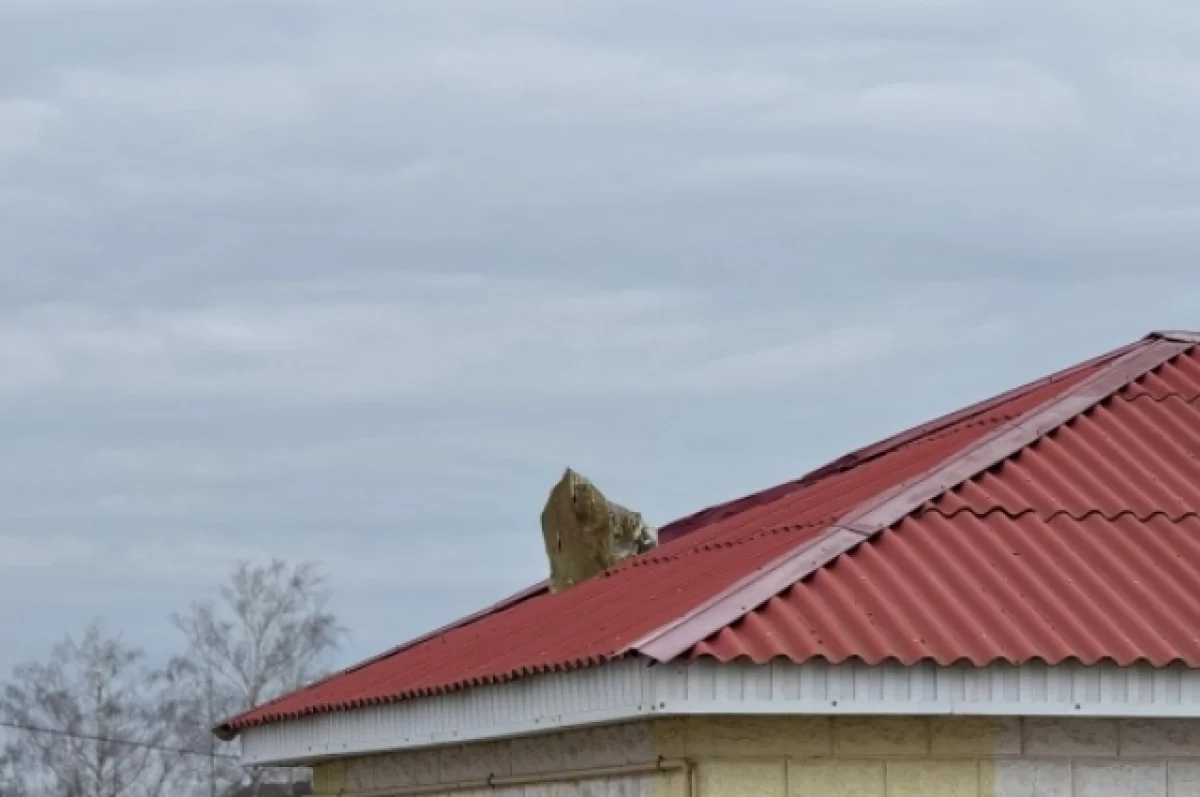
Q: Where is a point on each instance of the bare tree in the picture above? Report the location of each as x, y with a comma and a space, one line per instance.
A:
94, 721
12, 765
270, 633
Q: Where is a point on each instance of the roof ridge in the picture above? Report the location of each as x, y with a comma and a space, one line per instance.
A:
1176, 335
1124, 366
688, 523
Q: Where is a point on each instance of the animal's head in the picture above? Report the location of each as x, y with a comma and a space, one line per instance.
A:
587, 501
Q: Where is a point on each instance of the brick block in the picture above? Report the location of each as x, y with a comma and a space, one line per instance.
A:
603, 746
417, 768
881, 736
1157, 738
592, 788
835, 778
329, 778
1183, 779
1120, 779
612, 746
507, 791
394, 770
532, 755
475, 761
669, 784
670, 737
360, 773
742, 779
1015, 778
758, 737
931, 778
1070, 737
627, 787
975, 736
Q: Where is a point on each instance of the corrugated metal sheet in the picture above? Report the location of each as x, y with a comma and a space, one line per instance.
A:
1084, 546
890, 506
991, 588
820, 687
892, 597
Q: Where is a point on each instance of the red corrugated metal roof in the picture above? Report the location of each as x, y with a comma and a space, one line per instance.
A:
992, 587
1058, 521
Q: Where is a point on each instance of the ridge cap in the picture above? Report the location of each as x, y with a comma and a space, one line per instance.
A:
891, 505
1175, 335
687, 524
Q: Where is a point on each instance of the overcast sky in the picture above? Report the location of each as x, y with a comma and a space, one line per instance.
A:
354, 281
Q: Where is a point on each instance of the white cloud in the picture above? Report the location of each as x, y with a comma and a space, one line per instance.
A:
246, 97
540, 342
792, 363
594, 79
773, 166
22, 123
1012, 96
528, 73
540, 75
22, 551
1169, 82
210, 211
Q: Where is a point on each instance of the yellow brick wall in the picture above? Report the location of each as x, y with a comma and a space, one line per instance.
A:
936, 756
833, 757
819, 757
601, 747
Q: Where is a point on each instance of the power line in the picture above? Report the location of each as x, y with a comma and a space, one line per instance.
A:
129, 742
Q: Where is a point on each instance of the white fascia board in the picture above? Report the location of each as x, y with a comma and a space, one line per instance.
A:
631, 689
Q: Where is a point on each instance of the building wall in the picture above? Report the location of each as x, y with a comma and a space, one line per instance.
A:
592, 748
822, 757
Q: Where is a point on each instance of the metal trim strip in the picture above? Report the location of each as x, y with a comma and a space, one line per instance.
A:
549, 703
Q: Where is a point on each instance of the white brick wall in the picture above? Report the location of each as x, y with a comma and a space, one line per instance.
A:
1104, 758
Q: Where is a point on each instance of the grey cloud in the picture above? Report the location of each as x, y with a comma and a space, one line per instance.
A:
354, 280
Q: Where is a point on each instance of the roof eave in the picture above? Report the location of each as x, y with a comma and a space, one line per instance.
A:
544, 704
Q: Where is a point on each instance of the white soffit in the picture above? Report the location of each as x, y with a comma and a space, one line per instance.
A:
630, 689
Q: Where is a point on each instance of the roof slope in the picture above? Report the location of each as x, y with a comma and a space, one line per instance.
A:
1057, 521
